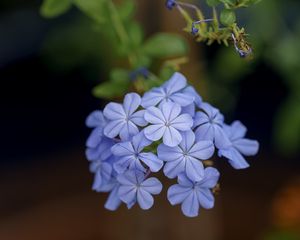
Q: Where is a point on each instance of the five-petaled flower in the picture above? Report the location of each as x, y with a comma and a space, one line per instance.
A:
134, 188
193, 194
170, 91
209, 126
131, 155
186, 157
124, 119
239, 145
166, 122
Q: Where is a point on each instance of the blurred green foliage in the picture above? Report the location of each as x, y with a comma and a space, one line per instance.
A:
110, 35
275, 36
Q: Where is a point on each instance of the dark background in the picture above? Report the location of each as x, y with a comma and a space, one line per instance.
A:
44, 178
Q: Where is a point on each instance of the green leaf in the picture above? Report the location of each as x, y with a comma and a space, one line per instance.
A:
227, 17
229, 2
95, 9
126, 9
54, 8
287, 127
117, 86
212, 3
164, 45
136, 34
119, 75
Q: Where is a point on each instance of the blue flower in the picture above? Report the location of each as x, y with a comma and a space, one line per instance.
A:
192, 194
239, 146
186, 157
134, 188
209, 126
131, 156
191, 108
124, 119
113, 201
103, 171
170, 91
166, 122
170, 4
97, 121
101, 151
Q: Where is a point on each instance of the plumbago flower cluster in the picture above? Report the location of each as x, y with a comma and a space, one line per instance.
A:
168, 128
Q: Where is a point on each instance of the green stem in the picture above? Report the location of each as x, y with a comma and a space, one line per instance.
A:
120, 29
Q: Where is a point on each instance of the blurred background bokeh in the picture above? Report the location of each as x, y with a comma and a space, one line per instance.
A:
48, 68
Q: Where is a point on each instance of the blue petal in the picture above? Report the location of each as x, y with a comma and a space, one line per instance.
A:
113, 128
131, 103
153, 97
102, 176
154, 115
128, 130
170, 111
122, 164
123, 149
194, 169
183, 122
190, 206
127, 194
114, 111
237, 130
105, 148
138, 118
182, 99
92, 154
152, 185
189, 109
183, 180
129, 178
177, 193
154, 132
191, 91
113, 201
166, 153
139, 142
171, 137
246, 146
95, 119
209, 110
202, 150
188, 140
95, 137
236, 160
200, 118
173, 168
221, 139
144, 199
205, 132
211, 178
205, 198
175, 83
151, 160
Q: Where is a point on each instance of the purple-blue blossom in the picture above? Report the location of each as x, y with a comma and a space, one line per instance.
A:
123, 118
170, 4
170, 91
169, 128
208, 124
135, 188
193, 195
186, 157
239, 145
167, 122
131, 155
